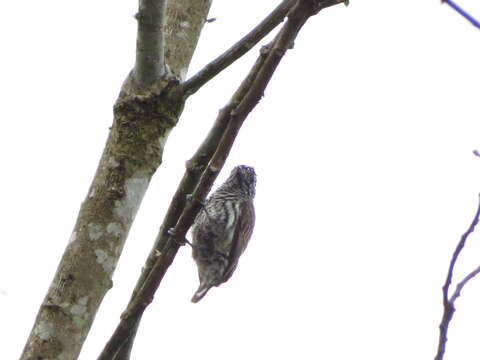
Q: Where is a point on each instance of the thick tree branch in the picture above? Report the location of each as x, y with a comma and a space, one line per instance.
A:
245, 99
150, 55
185, 20
461, 284
143, 118
449, 303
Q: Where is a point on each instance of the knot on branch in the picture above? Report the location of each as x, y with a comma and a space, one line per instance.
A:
143, 120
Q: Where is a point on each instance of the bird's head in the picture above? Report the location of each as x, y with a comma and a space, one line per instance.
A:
243, 179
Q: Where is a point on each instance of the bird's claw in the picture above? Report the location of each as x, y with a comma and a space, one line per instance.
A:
190, 198
180, 241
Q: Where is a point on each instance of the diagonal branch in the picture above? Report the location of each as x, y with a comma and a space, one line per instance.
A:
462, 283
150, 55
462, 12
449, 303
234, 114
456, 253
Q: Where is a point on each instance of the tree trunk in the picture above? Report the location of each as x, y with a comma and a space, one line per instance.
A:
143, 119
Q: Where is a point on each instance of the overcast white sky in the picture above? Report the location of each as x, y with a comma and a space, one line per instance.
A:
366, 179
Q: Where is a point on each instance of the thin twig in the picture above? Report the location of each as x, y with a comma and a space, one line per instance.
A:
449, 304
462, 283
212, 69
462, 12
244, 100
150, 55
238, 49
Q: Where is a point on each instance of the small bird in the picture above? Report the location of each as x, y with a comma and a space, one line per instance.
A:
222, 229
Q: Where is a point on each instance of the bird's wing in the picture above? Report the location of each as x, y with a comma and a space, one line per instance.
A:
243, 231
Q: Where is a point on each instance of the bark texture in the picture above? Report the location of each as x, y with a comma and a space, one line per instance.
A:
150, 58
184, 22
143, 118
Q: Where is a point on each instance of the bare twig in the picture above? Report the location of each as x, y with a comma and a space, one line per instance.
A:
244, 100
150, 55
456, 253
462, 12
239, 49
449, 303
212, 69
462, 283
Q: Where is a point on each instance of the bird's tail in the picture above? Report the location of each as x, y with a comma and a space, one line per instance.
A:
201, 292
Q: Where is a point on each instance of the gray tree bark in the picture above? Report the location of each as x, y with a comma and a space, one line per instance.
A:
144, 115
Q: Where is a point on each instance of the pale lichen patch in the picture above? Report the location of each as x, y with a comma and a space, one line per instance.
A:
185, 24
72, 237
181, 35
44, 330
101, 255
107, 262
183, 73
135, 188
92, 193
115, 229
79, 321
95, 231
112, 163
80, 307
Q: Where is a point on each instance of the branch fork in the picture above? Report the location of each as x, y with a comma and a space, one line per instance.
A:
449, 301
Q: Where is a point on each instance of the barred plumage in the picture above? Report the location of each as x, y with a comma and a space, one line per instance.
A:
223, 228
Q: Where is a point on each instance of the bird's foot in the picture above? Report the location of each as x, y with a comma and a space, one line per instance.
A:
180, 241
190, 198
